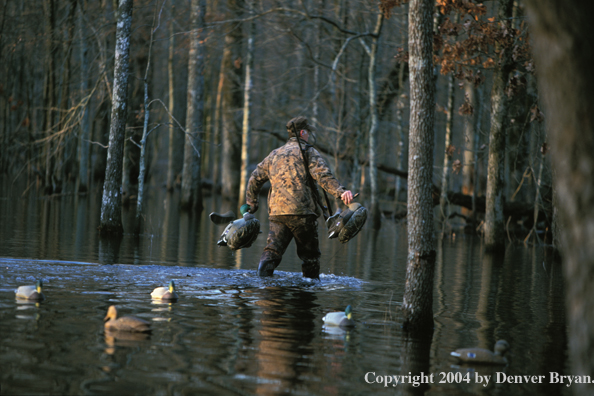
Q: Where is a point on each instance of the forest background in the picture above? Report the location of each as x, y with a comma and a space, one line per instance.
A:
343, 64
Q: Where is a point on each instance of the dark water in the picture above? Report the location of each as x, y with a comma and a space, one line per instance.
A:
234, 333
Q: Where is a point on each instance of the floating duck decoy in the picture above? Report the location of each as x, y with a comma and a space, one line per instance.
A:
483, 356
30, 292
342, 319
240, 233
344, 225
165, 293
125, 323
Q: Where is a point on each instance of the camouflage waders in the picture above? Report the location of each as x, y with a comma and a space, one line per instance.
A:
284, 228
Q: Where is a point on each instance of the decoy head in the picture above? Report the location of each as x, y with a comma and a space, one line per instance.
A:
348, 312
38, 285
244, 209
501, 347
112, 313
171, 287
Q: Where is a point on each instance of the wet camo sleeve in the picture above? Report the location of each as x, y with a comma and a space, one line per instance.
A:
289, 192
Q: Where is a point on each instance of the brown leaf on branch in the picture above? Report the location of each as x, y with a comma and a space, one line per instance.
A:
489, 63
466, 108
450, 150
536, 114
386, 6
456, 166
402, 56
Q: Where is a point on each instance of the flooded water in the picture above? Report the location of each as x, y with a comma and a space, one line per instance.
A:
234, 333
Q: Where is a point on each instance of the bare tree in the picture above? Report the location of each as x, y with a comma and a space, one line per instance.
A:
172, 140
232, 104
445, 179
85, 123
145, 131
494, 220
373, 128
562, 30
418, 290
247, 103
191, 190
111, 204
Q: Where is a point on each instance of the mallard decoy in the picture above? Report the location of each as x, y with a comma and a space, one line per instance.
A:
354, 223
241, 233
483, 356
344, 225
125, 323
30, 292
165, 293
342, 319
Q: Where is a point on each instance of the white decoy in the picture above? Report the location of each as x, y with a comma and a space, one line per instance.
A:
30, 292
165, 293
342, 319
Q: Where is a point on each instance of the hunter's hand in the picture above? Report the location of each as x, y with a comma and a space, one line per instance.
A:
253, 208
347, 197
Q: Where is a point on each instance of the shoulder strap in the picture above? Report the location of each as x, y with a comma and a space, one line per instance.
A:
325, 209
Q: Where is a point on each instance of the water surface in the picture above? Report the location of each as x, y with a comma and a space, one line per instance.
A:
234, 333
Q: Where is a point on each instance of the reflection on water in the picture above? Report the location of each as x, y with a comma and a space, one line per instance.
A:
234, 333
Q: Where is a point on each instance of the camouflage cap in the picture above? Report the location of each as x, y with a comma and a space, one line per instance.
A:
300, 123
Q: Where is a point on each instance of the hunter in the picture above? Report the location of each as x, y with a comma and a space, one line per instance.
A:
294, 204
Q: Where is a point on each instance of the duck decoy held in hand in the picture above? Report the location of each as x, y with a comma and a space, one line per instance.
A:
344, 225
342, 319
126, 323
30, 292
483, 356
165, 293
241, 233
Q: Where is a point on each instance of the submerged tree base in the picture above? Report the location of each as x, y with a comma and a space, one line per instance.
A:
110, 230
417, 302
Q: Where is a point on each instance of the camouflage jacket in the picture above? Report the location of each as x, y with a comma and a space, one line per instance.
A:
290, 193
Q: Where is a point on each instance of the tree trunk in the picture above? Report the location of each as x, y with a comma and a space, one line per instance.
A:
216, 127
85, 124
562, 32
402, 140
247, 103
469, 135
172, 129
232, 104
191, 195
111, 204
443, 201
49, 90
373, 129
494, 220
67, 147
418, 290
145, 131
477, 141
